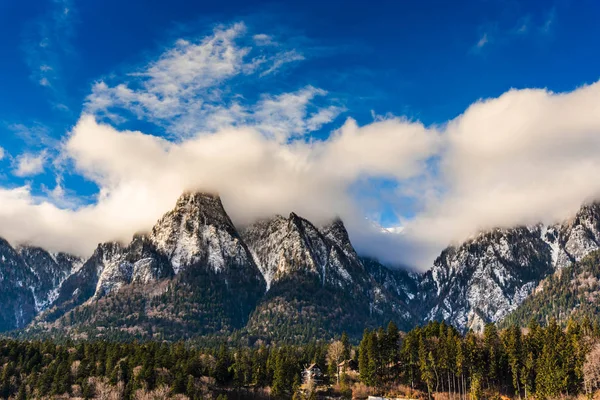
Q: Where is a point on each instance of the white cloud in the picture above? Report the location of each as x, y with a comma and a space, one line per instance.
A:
29, 164
262, 39
287, 115
141, 176
525, 157
2, 153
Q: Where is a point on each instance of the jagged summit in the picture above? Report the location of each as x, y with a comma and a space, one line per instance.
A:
337, 233
282, 246
198, 229
193, 263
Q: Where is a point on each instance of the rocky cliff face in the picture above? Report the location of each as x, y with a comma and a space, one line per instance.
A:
571, 292
30, 278
49, 271
199, 230
140, 262
574, 239
486, 278
16, 296
283, 247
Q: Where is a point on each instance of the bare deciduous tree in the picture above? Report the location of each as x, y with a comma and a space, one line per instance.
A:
334, 356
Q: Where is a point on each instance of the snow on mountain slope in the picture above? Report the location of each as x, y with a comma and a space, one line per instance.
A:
16, 297
198, 228
470, 284
284, 246
139, 262
486, 278
50, 271
193, 257
30, 278
317, 282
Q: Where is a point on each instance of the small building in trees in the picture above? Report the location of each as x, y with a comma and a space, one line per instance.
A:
348, 365
312, 375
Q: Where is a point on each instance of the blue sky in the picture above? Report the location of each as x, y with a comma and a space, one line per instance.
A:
420, 63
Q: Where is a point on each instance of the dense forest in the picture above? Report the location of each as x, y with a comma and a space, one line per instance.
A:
430, 361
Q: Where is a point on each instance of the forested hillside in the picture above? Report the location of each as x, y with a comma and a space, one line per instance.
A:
572, 292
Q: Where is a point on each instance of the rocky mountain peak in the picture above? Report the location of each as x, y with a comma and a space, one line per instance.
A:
49, 271
205, 206
337, 233
281, 246
285, 247
197, 228
574, 239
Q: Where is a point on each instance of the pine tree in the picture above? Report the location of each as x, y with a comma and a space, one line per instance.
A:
514, 350
374, 365
279, 376
363, 357
425, 367
222, 365
347, 347
190, 388
22, 394
491, 342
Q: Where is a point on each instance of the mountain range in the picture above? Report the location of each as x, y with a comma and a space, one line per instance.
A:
196, 274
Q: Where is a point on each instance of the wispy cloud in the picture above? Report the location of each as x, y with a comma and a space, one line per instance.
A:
526, 27
522, 27
262, 39
281, 59
546, 27
186, 90
34, 135
29, 164
47, 44
2, 153
482, 41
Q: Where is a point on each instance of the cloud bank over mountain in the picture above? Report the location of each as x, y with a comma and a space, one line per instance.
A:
524, 157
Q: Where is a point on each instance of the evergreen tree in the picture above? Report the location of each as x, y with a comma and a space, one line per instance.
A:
347, 347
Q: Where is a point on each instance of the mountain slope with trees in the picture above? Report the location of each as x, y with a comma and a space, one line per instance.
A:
571, 293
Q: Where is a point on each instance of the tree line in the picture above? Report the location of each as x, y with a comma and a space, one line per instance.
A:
537, 362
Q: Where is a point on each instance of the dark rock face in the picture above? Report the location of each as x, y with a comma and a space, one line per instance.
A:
16, 296
29, 281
